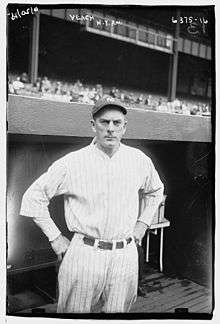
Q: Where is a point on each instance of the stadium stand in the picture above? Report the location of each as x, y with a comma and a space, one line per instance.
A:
130, 60
57, 90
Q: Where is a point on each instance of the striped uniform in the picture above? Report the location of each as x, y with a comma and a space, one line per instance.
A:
101, 201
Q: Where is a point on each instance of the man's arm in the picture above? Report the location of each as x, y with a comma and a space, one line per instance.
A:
151, 197
36, 200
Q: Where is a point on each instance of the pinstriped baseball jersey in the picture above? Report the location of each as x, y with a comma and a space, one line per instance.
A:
100, 193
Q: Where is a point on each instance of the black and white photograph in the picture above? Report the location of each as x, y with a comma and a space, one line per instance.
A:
110, 186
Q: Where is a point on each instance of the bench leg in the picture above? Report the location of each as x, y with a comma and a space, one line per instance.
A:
147, 246
161, 250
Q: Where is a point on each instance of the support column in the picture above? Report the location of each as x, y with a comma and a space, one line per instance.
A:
161, 249
147, 246
8, 43
173, 69
34, 48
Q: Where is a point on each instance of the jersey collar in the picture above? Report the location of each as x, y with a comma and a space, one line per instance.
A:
94, 147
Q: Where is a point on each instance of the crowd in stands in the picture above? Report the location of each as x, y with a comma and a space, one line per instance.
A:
89, 94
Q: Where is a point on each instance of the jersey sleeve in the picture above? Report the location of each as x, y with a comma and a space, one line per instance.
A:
151, 192
36, 199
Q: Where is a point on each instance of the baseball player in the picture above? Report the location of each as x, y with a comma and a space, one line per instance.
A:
101, 184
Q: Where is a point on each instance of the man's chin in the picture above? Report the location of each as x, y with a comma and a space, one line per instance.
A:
111, 143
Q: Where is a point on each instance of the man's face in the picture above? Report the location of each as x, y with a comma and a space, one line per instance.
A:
109, 126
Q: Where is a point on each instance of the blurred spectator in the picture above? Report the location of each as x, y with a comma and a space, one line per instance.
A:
77, 87
206, 110
24, 78
67, 96
93, 92
99, 90
177, 106
17, 85
118, 94
140, 99
45, 84
199, 112
112, 92
185, 108
38, 84
122, 97
10, 88
58, 88
169, 107
74, 97
126, 98
172, 107
85, 97
194, 110
160, 105
148, 100
132, 98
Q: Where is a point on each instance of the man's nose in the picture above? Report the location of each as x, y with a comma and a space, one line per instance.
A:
110, 126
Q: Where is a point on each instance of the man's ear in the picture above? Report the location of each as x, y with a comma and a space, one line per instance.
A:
125, 127
93, 125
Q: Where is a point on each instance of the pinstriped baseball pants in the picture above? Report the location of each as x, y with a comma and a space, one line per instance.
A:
88, 273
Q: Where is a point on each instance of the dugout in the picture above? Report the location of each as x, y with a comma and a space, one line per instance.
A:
40, 131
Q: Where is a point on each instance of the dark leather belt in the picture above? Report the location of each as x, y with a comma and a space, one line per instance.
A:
103, 245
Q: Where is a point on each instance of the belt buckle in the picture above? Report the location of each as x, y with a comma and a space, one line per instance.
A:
96, 243
104, 245
99, 244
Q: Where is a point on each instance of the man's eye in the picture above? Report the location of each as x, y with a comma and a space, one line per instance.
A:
117, 123
104, 122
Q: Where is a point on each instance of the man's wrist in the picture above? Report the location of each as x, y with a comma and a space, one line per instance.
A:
145, 226
56, 238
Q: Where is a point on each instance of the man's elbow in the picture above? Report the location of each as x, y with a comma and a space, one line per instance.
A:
162, 191
27, 203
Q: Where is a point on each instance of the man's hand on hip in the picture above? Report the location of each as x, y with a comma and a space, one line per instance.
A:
60, 246
139, 231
